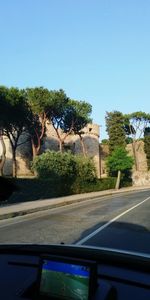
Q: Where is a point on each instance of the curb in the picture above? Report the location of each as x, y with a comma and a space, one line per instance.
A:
63, 201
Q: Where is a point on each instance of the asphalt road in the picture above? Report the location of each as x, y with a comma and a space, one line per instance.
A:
119, 221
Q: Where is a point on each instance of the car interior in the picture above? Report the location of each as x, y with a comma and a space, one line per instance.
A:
30, 271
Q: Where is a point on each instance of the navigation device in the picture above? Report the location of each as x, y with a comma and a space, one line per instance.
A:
66, 279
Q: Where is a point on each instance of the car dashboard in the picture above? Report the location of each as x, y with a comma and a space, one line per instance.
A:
109, 274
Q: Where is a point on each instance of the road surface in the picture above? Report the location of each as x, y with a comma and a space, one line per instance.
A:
119, 221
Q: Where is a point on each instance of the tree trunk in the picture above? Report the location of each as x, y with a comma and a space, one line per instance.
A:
3, 158
118, 180
14, 162
83, 146
135, 156
61, 146
35, 150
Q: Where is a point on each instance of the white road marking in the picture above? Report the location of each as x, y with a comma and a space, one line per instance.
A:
110, 222
42, 213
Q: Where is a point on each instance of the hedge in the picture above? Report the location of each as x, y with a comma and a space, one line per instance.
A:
64, 167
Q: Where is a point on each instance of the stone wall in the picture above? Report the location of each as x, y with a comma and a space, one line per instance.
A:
140, 177
91, 141
140, 154
23, 158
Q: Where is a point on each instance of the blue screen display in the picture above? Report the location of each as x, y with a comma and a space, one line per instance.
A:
65, 280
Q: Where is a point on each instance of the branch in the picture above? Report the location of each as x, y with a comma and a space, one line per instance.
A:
43, 125
27, 140
70, 130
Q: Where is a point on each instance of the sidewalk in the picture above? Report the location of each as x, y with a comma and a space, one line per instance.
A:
14, 210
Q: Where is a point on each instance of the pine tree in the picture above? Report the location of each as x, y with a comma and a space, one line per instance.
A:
115, 130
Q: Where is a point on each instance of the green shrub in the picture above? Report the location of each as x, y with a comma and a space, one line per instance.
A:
85, 169
66, 167
55, 165
97, 185
125, 182
36, 188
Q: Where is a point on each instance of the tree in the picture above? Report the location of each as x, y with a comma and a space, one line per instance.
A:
14, 121
35, 133
40, 102
76, 117
105, 142
135, 124
115, 129
147, 145
3, 154
118, 162
57, 114
3, 110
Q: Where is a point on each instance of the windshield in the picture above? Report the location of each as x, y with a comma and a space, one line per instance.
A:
75, 123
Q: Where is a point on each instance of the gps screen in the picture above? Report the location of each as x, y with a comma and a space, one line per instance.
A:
63, 280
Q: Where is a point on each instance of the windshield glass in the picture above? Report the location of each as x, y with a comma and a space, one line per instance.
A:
75, 123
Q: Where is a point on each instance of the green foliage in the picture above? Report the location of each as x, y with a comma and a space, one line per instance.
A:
126, 180
115, 129
135, 124
81, 186
15, 117
147, 145
59, 105
77, 116
64, 167
40, 102
105, 142
55, 165
29, 189
15, 112
119, 161
39, 99
85, 169
129, 140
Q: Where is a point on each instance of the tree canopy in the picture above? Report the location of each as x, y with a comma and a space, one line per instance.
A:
40, 102
135, 125
29, 110
115, 129
14, 119
118, 162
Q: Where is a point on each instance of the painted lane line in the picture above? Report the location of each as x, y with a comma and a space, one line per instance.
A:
110, 222
40, 214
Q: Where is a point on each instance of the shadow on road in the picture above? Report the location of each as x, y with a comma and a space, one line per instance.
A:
119, 235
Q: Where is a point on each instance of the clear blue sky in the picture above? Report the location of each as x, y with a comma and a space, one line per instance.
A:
96, 50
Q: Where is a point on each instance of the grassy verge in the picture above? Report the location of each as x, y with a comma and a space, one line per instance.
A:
30, 189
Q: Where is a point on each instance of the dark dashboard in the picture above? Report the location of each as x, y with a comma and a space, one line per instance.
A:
94, 273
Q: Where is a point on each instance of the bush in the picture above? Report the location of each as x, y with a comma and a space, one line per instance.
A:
55, 165
125, 182
66, 167
32, 189
85, 169
97, 185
